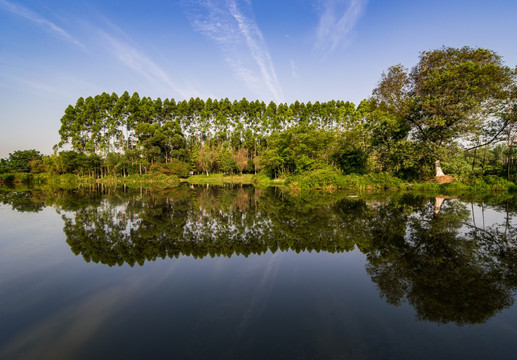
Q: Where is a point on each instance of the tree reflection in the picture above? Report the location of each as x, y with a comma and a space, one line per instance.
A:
22, 201
446, 273
427, 251
421, 250
212, 222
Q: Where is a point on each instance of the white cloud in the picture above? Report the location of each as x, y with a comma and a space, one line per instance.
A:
337, 20
30, 15
241, 41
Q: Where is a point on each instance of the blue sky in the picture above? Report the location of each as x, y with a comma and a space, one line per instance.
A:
54, 51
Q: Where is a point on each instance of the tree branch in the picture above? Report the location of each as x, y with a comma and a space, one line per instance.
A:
491, 140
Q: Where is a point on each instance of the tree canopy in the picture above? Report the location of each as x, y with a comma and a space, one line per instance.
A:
449, 96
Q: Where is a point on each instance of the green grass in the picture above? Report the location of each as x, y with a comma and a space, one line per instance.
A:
484, 184
331, 179
160, 180
263, 181
220, 179
70, 181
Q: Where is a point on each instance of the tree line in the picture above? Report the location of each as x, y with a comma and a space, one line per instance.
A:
456, 108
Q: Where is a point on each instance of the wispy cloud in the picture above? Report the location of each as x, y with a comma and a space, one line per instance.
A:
337, 20
140, 63
26, 13
38, 86
294, 73
232, 26
39, 79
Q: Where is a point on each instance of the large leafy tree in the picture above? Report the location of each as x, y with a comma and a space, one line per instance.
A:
449, 95
22, 160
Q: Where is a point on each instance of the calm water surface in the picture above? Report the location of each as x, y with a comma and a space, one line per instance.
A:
239, 273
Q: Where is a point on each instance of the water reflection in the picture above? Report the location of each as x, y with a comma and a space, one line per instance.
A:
427, 251
446, 273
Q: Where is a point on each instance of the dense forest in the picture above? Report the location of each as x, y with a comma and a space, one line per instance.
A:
456, 109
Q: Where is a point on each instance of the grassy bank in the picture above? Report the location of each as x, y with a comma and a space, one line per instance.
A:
489, 183
220, 179
330, 179
69, 181
321, 179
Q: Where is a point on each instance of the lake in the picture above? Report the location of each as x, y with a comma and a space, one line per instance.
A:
244, 273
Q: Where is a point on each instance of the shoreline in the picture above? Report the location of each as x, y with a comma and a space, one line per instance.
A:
297, 183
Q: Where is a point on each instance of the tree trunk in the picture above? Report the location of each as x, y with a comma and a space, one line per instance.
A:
484, 160
509, 159
438, 168
474, 161
507, 164
438, 201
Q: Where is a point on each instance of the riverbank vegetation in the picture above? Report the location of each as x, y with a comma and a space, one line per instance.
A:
453, 113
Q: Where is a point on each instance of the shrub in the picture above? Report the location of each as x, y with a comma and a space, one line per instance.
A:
261, 180
320, 178
512, 188
174, 167
329, 178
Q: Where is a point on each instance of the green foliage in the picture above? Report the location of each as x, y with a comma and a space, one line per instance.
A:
414, 117
4, 166
512, 188
490, 182
457, 165
72, 162
220, 179
452, 87
17, 178
261, 180
207, 160
68, 179
166, 180
330, 178
451, 95
148, 181
469, 183
373, 181
37, 166
296, 150
174, 167
227, 163
22, 161
351, 160
7, 178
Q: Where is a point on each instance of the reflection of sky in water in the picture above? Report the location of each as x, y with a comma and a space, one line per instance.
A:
484, 216
55, 305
